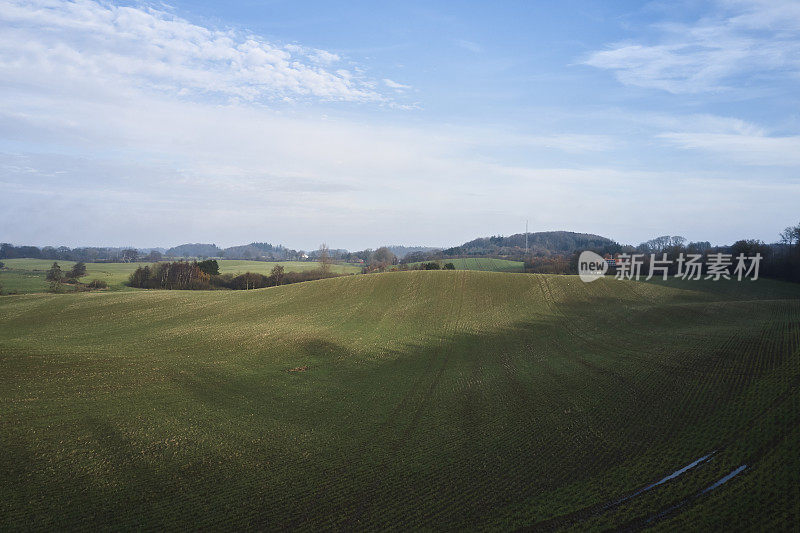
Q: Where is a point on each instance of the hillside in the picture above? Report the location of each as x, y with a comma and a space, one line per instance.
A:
561, 242
402, 251
457, 400
542, 243
194, 250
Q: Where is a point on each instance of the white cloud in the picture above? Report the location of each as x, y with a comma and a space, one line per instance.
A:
746, 38
394, 85
728, 140
98, 122
159, 171
758, 150
54, 41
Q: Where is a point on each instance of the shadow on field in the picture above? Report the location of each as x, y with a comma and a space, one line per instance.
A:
125, 466
470, 425
760, 289
497, 428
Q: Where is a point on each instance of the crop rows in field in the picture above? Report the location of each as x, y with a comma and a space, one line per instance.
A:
428, 400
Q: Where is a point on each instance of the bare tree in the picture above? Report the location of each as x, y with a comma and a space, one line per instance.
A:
324, 258
277, 274
383, 256
791, 235
130, 255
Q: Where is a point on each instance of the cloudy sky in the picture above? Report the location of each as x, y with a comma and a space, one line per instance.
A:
429, 123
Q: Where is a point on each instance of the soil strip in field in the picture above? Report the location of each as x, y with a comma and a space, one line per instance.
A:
663, 480
724, 479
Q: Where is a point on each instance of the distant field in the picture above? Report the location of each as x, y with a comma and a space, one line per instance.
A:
236, 266
28, 275
486, 264
419, 400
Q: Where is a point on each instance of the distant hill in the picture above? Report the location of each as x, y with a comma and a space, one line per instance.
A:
543, 243
261, 251
255, 250
402, 251
195, 250
548, 242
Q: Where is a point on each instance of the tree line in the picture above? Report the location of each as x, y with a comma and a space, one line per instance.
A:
554, 252
85, 254
780, 260
205, 275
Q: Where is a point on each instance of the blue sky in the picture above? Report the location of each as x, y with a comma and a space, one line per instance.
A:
358, 124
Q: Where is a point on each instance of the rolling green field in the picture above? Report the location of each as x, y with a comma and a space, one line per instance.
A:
485, 264
429, 400
28, 275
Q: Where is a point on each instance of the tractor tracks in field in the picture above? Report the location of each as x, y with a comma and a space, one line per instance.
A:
777, 345
581, 515
403, 433
746, 466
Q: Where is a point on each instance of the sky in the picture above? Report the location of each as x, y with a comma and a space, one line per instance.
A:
360, 124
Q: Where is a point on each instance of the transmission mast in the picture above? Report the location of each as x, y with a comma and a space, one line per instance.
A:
526, 236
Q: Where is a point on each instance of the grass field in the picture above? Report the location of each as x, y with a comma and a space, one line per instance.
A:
236, 266
28, 275
485, 264
431, 400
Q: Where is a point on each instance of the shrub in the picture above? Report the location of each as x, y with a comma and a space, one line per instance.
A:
98, 284
223, 281
209, 266
177, 275
251, 280
449, 266
78, 270
308, 275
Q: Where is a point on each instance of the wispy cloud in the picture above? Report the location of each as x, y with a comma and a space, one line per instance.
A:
727, 140
469, 45
154, 126
48, 40
175, 170
395, 85
755, 37
759, 150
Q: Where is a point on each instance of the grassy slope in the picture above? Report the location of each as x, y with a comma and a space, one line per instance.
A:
28, 275
486, 264
432, 399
